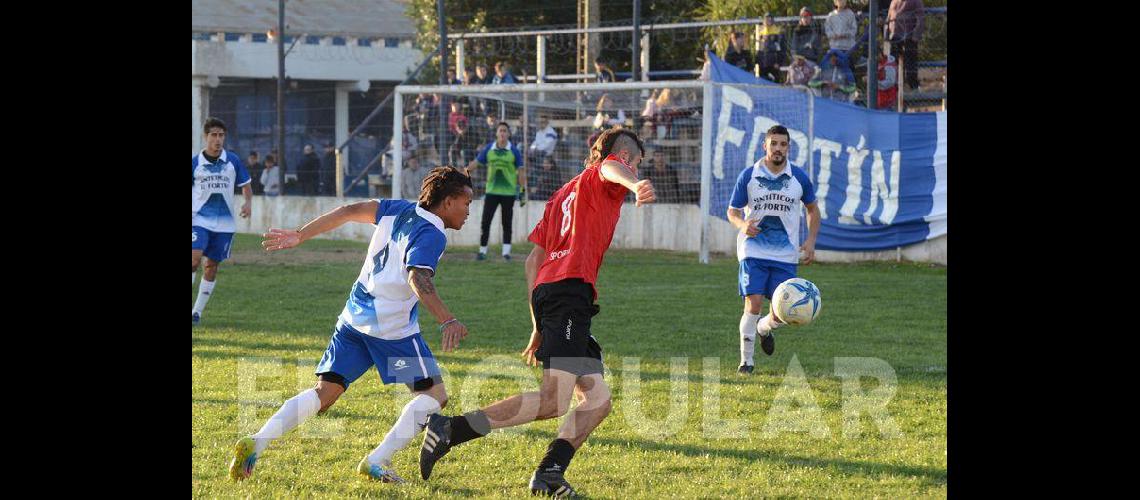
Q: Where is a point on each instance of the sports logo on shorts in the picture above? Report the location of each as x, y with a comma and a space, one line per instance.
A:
401, 364
193, 236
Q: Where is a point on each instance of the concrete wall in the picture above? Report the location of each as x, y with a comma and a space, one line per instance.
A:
240, 59
664, 227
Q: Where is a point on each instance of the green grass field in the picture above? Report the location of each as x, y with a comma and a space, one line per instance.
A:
271, 317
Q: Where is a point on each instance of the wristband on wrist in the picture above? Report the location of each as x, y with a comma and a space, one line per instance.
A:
445, 323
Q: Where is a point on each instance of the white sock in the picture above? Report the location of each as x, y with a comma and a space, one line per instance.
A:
506, 248
204, 290
483, 250
748, 337
193, 278
768, 324
296, 410
412, 420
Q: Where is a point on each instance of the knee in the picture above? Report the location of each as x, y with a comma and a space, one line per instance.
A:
211, 266
551, 407
605, 406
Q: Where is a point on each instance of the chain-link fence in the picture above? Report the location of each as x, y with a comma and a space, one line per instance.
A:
676, 51
551, 132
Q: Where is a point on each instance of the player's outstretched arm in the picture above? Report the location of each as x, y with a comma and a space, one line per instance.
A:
613, 171
280, 239
532, 262
421, 282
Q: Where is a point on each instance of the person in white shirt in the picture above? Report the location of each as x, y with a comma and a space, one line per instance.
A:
603, 119
545, 140
271, 176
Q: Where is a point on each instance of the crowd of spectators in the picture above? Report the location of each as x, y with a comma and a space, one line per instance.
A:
822, 55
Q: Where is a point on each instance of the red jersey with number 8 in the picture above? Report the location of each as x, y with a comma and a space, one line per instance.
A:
577, 226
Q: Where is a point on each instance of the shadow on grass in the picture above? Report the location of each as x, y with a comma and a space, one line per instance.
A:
929, 475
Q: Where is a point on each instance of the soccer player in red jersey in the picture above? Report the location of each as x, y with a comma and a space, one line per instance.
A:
569, 243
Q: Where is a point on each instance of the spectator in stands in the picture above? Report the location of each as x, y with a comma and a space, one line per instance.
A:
664, 177
772, 45
603, 120
834, 83
451, 79
254, 167
489, 123
649, 113
468, 76
461, 148
545, 180
409, 145
308, 171
271, 177
412, 178
503, 73
801, 71
545, 140
805, 38
841, 29
736, 54
455, 117
905, 24
605, 74
888, 79
327, 180
457, 125
481, 76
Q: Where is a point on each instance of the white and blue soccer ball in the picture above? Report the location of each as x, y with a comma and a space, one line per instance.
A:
796, 302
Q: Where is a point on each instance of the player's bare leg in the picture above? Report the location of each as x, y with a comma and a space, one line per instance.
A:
550, 401
594, 405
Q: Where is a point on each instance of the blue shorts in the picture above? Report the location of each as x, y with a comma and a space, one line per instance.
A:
762, 276
351, 353
215, 246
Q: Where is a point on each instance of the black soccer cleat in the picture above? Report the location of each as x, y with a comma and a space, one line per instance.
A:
437, 442
746, 369
768, 342
551, 484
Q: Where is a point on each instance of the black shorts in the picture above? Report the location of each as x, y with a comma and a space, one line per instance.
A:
563, 311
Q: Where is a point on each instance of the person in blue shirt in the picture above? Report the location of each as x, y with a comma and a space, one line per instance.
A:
379, 325
215, 172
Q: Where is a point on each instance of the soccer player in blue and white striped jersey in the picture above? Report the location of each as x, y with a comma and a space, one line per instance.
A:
214, 174
379, 325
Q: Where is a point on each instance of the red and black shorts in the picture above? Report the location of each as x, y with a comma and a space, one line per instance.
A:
563, 311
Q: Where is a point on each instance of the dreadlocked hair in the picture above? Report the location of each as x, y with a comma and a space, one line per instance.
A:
441, 183
604, 144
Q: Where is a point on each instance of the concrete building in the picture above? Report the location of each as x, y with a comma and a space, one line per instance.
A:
348, 55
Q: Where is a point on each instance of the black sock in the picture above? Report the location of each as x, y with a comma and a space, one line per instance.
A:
558, 456
469, 426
